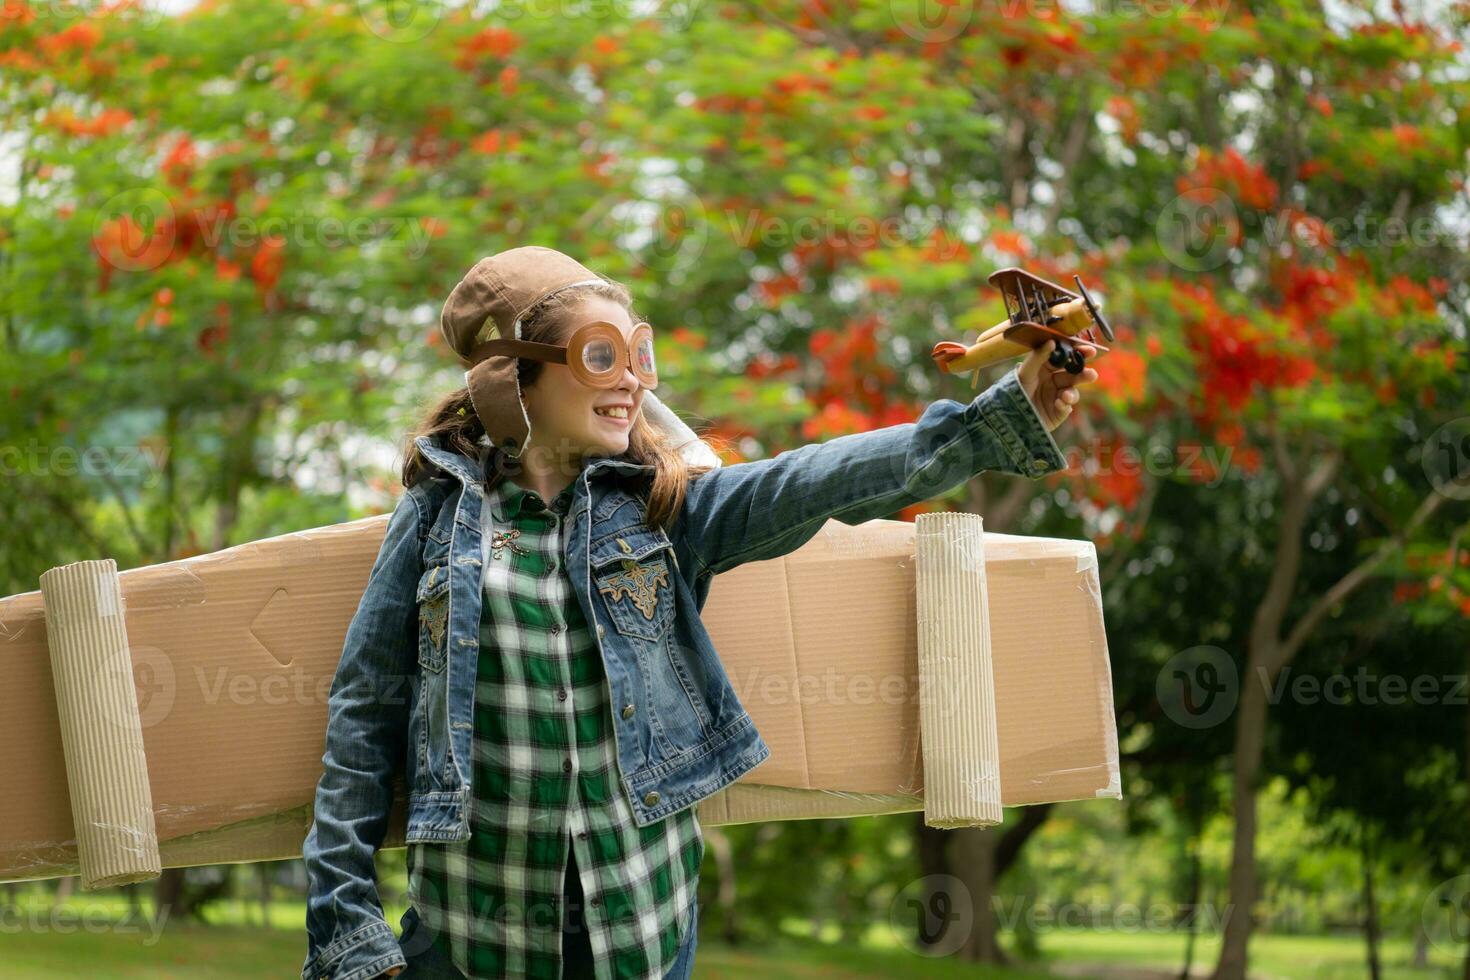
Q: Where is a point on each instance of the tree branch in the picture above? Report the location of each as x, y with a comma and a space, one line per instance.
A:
1354, 579
140, 540
1120, 555
1008, 848
1077, 132
1007, 512
1296, 501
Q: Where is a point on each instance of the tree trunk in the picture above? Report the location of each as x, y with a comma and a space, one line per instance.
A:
236, 467
1250, 741
940, 853
1191, 915
1267, 655
1421, 945
168, 892
265, 870
170, 487
973, 853
174, 898
1370, 909
718, 844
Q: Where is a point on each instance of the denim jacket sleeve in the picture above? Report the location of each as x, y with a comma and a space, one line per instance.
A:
367, 721
767, 508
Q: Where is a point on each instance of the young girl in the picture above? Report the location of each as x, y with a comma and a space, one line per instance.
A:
529, 649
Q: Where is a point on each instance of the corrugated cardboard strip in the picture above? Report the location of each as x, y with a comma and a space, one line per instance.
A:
935, 690
957, 715
107, 771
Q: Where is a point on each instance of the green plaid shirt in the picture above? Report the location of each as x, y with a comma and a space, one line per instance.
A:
545, 777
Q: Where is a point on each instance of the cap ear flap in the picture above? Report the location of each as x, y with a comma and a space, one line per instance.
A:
495, 391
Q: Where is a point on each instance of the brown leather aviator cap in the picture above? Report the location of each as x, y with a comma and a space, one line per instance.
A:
488, 304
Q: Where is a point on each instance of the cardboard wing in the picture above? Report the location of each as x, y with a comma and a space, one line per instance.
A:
175, 714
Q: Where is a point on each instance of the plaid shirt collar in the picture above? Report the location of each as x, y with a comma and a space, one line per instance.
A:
510, 500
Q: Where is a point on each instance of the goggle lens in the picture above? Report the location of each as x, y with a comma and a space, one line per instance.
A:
644, 353
599, 356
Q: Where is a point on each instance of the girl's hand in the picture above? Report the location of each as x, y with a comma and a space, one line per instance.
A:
1053, 391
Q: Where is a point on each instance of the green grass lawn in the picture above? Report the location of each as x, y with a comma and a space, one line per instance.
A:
97, 940
1272, 956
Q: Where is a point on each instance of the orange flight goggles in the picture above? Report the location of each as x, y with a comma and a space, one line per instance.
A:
596, 353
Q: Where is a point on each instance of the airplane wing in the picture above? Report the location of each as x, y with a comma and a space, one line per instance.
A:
1029, 298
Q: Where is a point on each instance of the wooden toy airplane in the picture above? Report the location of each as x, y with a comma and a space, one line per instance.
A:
1038, 311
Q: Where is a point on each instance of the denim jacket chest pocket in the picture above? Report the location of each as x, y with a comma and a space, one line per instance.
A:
429, 715
633, 571
432, 596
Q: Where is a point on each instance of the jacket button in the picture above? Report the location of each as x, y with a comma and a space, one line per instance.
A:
600, 631
651, 797
561, 693
627, 711
566, 765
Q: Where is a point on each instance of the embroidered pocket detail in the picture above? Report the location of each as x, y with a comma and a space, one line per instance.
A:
637, 594
433, 599
639, 582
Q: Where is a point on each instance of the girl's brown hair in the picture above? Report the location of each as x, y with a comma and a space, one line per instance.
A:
452, 423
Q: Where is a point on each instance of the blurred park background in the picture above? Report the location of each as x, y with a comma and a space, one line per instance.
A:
226, 230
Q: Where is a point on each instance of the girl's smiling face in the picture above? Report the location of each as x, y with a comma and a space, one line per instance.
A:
572, 418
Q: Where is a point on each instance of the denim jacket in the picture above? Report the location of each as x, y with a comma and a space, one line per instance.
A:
403, 692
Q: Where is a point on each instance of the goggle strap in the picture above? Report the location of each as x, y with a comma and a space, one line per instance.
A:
519, 348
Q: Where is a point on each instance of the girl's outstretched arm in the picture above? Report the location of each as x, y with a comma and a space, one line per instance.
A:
767, 508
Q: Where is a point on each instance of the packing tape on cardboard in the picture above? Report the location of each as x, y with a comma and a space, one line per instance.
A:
957, 720
101, 733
